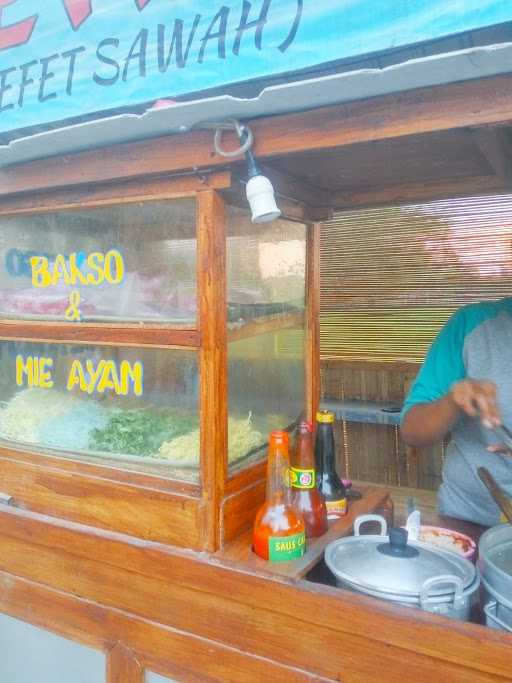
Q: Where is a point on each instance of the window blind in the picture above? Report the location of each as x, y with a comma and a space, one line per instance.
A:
391, 277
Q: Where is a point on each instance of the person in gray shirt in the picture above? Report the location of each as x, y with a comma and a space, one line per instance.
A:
464, 388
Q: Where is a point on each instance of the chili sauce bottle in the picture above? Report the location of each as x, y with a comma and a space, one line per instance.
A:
308, 500
329, 483
279, 530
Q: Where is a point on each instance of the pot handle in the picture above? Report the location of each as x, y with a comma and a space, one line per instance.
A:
438, 580
362, 519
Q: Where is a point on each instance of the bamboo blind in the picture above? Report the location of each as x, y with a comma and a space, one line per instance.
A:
391, 277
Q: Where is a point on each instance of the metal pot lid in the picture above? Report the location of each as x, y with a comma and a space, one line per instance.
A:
496, 548
395, 568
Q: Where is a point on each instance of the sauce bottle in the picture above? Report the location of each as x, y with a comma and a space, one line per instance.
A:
308, 500
329, 483
279, 530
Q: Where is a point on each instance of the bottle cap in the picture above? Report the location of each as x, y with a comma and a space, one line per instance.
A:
325, 417
305, 427
279, 437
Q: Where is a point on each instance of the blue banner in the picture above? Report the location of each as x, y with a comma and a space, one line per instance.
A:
64, 58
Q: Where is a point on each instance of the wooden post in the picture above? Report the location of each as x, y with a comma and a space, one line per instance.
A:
123, 666
211, 255
312, 360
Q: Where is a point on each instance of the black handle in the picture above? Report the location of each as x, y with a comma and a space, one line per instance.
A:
398, 537
397, 546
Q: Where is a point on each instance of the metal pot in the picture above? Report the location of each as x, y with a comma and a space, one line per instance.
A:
413, 574
495, 564
497, 616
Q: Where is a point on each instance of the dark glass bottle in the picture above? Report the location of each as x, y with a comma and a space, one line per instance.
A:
329, 483
306, 496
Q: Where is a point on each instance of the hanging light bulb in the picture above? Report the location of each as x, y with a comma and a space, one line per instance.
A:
258, 190
260, 193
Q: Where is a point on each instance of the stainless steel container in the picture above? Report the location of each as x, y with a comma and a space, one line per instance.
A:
496, 616
413, 574
495, 564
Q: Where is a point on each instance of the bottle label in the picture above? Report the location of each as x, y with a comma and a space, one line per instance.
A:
284, 548
336, 508
302, 479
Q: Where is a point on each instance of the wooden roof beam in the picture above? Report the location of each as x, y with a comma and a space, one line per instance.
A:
459, 105
412, 193
496, 146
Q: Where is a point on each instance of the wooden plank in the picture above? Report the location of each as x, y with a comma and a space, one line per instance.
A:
415, 192
107, 334
336, 635
123, 666
239, 509
240, 553
291, 209
172, 653
312, 341
246, 476
211, 254
168, 518
154, 476
473, 103
264, 325
426, 501
128, 191
288, 186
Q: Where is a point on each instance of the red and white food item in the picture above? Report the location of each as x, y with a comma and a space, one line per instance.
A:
448, 539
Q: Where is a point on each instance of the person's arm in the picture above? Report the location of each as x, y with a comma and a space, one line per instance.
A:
427, 423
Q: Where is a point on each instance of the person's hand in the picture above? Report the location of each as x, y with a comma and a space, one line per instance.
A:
477, 398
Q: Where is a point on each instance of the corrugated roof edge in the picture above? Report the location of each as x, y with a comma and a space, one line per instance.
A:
181, 117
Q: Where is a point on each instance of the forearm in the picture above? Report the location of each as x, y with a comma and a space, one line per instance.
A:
427, 423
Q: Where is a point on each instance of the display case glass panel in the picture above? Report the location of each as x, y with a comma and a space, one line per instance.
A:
131, 262
266, 386
266, 269
128, 407
266, 284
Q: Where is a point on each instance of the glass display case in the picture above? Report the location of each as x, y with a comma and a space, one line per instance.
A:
151, 345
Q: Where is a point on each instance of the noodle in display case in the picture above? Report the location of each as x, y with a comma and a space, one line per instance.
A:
101, 402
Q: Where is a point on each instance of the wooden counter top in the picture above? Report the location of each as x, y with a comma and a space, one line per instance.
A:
239, 551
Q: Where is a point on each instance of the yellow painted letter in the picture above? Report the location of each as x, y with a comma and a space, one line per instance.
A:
40, 274
24, 367
76, 376
45, 373
114, 262
135, 375
60, 271
94, 262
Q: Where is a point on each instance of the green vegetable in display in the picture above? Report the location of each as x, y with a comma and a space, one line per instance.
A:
141, 432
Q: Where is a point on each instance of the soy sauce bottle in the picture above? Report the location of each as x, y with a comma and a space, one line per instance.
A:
329, 483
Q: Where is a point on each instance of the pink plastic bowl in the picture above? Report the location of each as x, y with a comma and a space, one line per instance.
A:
467, 543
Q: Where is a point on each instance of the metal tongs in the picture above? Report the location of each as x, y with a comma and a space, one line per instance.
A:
504, 435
